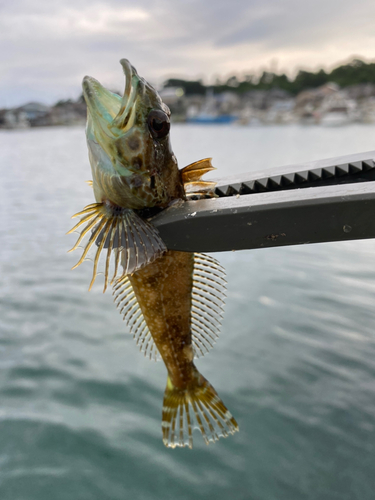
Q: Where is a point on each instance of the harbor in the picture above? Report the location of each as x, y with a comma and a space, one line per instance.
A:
333, 99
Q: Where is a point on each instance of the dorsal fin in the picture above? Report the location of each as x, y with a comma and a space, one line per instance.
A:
196, 170
192, 178
208, 296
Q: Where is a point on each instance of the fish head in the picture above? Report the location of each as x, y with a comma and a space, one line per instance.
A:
131, 158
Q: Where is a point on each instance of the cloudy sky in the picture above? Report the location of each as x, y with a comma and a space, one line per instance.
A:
47, 46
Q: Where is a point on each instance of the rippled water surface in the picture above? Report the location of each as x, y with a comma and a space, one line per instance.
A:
80, 408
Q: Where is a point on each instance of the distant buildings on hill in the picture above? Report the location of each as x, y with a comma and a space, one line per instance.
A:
325, 105
35, 114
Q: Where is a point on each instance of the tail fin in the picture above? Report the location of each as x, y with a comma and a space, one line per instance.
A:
196, 407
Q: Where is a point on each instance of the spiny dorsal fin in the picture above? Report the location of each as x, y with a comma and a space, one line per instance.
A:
208, 296
126, 301
119, 230
196, 170
192, 178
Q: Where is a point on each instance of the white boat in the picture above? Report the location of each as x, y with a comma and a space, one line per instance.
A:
336, 117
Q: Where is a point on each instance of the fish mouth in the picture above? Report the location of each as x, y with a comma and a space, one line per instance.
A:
109, 109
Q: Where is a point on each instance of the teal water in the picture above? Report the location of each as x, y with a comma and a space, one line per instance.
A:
295, 363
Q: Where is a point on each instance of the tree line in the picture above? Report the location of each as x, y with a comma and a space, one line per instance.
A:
355, 72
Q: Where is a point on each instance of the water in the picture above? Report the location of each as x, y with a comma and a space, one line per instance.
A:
81, 408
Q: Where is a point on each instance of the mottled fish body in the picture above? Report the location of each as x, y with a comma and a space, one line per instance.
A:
172, 301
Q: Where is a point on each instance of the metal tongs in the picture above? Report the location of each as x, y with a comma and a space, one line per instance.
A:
320, 201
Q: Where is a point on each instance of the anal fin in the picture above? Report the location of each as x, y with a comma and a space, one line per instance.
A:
129, 307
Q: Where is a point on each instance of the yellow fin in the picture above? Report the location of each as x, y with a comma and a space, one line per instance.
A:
199, 187
117, 230
192, 178
196, 170
198, 406
90, 183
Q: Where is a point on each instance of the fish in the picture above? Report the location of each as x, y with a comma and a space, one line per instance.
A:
172, 301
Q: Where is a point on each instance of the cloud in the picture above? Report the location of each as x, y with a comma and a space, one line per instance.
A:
47, 47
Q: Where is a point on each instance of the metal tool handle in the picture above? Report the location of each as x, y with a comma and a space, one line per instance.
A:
326, 200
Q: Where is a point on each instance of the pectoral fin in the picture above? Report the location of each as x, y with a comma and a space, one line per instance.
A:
129, 239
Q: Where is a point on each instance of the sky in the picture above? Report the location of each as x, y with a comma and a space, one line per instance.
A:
47, 46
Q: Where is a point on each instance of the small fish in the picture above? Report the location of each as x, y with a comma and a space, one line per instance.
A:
172, 301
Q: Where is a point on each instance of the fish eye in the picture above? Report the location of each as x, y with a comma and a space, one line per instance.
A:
158, 123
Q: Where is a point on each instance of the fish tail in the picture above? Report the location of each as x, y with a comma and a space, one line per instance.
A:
200, 407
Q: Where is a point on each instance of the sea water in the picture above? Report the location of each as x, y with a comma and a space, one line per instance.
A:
80, 409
